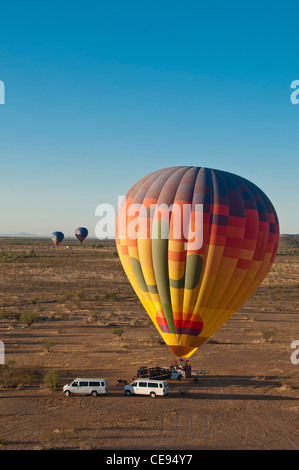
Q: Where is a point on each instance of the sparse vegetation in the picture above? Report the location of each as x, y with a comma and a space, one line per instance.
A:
48, 344
286, 384
117, 331
103, 331
93, 315
16, 257
51, 380
111, 296
16, 377
79, 295
29, 318
267, 333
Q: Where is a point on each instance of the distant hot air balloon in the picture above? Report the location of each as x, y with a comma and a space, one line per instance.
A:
81, 233
57, 237
190, 289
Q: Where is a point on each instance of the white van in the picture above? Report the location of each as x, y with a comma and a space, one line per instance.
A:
147, 387
92, 387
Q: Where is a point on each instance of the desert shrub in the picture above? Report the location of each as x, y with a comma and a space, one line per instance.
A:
111, 296
47, 344
3, 315
51, 379
65, 297
97, 295
16, 257
80, 295
93, 315
117, 331
29, 318
13, 377
7, 365
267, 333
286, 384
60, 311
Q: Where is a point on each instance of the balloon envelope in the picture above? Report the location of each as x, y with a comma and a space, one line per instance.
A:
57, 237
81, 233
195, 244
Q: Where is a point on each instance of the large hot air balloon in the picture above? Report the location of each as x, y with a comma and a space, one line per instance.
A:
81, 233
195, 244
57, 237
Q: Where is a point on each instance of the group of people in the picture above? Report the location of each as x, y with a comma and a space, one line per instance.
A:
182, 365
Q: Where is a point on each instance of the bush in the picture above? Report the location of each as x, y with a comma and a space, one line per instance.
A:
80, 295
29, 318
16, 257
111, 296
93, 315
13, 377
117, 331
47, 344
267, 334
51, 380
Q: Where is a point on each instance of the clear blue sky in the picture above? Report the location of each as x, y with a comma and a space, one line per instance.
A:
98, 94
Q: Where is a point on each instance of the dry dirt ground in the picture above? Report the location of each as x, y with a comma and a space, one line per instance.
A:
246, 397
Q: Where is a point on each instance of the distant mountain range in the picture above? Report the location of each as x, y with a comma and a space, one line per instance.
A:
20, 234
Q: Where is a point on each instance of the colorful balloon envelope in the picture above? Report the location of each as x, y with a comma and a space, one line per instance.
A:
81, 233
57, 237
195, 244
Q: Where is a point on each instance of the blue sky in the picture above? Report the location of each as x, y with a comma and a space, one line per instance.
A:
98, 94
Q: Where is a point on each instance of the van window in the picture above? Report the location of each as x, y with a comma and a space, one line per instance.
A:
83, 384
94, 384
154, 385
142, 384
103, 384
134, 384
160, 385
75, 384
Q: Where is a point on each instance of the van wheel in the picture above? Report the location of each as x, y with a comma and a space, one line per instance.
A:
153, 395
94, 393
67, 393
128, 393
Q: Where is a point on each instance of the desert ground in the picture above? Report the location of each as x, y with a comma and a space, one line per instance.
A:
69, 311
